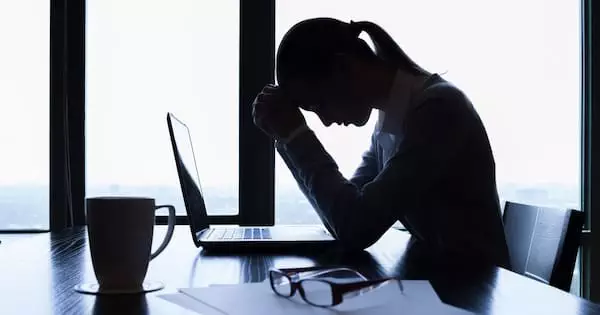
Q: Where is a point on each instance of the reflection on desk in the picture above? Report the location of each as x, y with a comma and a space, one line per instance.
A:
39, 272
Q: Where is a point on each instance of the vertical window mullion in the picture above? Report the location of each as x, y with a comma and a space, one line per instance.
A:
76, 107
67, 105
257, 154
58, 200
591, 148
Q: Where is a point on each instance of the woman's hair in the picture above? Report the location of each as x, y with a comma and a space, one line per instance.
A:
309, 48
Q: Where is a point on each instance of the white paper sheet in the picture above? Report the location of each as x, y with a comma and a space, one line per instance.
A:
257, 298
190, 304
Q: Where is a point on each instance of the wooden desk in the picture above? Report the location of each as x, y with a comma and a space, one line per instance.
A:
37, 275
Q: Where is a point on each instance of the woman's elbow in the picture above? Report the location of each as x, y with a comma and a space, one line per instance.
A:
355, 241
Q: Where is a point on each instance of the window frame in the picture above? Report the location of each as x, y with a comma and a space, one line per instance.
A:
67, 113
590, 148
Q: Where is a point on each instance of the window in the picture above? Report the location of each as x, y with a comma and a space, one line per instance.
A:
523, 78
24, 95
518, 62
147, 58
143, 58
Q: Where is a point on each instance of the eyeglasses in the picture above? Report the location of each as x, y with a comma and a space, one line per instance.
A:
318, 291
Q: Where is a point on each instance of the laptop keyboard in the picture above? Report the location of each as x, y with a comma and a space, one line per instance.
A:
240, 234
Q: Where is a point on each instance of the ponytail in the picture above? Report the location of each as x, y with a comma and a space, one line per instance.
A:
385, 46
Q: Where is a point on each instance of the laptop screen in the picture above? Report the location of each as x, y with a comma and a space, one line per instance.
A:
188, 173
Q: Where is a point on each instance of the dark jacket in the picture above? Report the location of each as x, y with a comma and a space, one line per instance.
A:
433, 171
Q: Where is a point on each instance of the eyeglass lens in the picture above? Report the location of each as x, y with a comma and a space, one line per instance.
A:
317, 292
280, 283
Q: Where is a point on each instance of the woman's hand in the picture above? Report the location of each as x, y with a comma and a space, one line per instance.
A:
274, 113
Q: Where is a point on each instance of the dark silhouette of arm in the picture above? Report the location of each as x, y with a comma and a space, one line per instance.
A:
358, 213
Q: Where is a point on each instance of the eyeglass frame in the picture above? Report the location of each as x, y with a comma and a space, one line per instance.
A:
338, 290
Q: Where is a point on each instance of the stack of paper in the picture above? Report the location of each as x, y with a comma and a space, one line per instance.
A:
418, 297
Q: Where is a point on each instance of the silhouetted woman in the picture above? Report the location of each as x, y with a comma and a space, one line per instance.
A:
429, 164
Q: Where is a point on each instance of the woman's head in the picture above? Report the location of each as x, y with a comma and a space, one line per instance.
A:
328, 69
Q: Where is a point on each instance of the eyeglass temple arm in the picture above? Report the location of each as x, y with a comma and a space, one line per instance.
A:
317, 268
345, 288
301, 269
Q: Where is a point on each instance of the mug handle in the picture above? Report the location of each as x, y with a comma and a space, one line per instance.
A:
170, 229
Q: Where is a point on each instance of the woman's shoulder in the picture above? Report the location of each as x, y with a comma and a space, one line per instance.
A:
442, 98
439, 88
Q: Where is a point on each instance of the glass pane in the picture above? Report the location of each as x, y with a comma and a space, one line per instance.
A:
523, 78
25, 99
147, 58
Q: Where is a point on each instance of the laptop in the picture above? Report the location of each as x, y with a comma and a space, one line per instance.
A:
217, 237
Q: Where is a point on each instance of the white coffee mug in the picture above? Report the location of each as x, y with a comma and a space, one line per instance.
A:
120, 231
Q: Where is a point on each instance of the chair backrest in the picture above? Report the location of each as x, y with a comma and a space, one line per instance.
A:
543, 242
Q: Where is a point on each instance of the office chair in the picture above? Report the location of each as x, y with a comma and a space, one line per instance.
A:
543, 242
